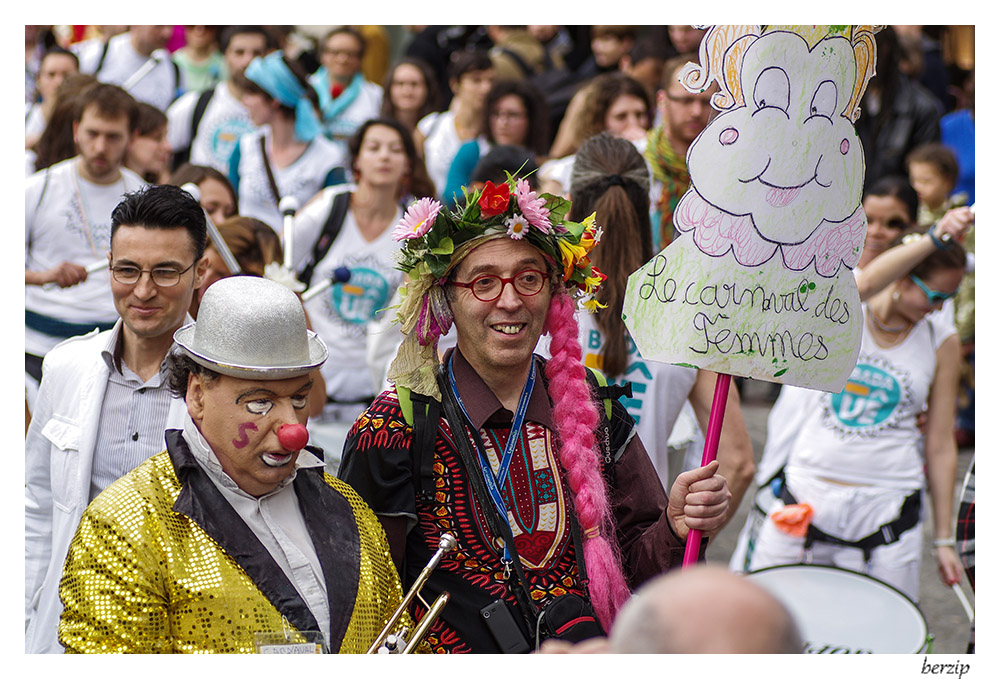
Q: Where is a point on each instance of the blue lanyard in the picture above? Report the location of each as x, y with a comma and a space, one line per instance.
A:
493, 484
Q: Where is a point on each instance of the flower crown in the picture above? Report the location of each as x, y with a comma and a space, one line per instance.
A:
430, 234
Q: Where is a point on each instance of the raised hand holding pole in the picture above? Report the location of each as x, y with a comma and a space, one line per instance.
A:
712, 436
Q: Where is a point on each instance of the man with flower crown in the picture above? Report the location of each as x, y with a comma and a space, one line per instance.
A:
555, 506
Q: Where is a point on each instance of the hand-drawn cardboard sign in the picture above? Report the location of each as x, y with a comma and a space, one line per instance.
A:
758, 282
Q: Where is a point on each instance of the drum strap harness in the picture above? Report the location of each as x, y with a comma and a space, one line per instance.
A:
887, 533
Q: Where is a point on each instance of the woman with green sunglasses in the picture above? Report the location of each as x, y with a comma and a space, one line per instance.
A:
858, 466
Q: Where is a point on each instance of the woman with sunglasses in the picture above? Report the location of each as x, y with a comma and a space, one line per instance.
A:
858, 465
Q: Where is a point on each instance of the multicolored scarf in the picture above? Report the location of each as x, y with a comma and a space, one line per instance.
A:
670, 169
331, 106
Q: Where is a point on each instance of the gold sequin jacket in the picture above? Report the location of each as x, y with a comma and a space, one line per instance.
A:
161, 563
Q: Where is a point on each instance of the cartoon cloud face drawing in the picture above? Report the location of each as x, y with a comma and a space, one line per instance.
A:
787, 157
781, 167
758, 282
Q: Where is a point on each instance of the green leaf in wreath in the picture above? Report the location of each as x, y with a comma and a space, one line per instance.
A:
445, 247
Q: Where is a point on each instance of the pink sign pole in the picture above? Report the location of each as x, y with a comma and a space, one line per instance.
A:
711, 451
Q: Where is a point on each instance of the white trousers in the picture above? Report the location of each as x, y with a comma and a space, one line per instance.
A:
849, 513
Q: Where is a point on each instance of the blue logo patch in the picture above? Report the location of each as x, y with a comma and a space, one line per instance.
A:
358, 300
869, 400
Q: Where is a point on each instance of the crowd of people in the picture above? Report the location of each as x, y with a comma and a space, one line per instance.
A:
396, 238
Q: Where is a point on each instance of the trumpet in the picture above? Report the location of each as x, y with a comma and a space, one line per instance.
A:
389, 641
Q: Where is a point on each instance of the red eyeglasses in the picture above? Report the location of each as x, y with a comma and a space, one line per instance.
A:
489, 287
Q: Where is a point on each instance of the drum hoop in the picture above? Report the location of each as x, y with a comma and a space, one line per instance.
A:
928, 636
882, 583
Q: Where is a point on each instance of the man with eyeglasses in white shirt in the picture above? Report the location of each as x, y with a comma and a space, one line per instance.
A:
104, 403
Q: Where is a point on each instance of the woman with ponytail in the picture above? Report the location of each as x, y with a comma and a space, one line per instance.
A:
555, 507
611, 180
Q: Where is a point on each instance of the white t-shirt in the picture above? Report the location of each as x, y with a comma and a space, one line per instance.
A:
868, 433
659, 390
441, 143
558, 170
225, 120
34, 121
303, 179
344, 313
157, 87
71, 222
792, 402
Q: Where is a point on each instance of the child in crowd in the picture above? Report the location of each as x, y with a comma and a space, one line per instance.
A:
933, 173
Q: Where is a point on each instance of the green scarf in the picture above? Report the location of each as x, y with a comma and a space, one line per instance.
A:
671, 170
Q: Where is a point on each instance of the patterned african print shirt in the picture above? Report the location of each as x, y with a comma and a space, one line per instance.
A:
378, 464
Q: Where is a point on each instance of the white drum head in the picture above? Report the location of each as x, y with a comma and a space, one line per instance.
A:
840, 611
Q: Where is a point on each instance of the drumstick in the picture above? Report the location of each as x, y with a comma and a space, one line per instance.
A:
947, 237
93, 267
147, 66
288, 207
339, 275
213, 233
965, 602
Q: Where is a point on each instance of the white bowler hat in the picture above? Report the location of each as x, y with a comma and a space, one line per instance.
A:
252, 328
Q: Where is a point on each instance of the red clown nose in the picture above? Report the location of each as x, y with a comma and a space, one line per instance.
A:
293, 437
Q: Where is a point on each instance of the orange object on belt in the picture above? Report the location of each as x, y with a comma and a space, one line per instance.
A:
793, 519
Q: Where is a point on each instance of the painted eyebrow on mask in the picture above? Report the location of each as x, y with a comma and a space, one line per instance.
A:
261, 392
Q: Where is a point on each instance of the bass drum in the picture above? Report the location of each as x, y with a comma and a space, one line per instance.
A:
841, 611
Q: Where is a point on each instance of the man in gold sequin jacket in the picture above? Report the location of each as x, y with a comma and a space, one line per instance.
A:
233, 539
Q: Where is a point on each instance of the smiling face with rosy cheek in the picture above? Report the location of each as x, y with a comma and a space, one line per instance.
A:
787, 157
240, 421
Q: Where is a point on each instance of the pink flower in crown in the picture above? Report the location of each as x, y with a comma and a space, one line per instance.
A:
418, 220
532, 206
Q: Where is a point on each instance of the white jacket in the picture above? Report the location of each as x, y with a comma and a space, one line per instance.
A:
58, 459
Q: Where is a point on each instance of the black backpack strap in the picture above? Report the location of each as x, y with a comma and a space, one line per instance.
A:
329, 233
518, 61
426, 415
275, 193
199, 111
104, 54
182, 156
606, 394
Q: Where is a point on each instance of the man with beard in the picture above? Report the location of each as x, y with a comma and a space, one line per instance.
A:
67, 227
684, 116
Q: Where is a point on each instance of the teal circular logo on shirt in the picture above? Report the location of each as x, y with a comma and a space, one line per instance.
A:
359, 300
869, 399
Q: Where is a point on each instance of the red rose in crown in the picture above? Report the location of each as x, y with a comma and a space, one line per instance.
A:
494, 200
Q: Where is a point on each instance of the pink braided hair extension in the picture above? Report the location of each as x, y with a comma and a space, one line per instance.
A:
575, 417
